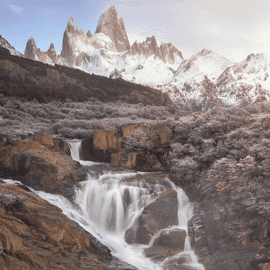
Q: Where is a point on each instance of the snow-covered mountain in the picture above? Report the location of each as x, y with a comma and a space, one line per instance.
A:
206, 78
109, 49
245, 82
4, 43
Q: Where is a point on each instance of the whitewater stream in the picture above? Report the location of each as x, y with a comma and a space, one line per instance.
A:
100, 207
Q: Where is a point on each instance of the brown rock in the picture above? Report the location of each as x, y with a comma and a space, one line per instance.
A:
61, 146
44, 138
100, 146
38, 167
164, 131
136, 161
36, 235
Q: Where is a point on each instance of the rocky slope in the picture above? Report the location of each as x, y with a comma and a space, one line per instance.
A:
36, 234
30, 79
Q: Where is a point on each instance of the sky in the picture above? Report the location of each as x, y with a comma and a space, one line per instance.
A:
231, 28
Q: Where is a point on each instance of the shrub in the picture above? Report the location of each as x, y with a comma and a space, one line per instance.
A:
142, 139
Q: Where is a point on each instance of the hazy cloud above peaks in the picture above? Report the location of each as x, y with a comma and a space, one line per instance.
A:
231, 28
16, 9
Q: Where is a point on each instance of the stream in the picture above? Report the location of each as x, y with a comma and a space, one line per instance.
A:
110, 201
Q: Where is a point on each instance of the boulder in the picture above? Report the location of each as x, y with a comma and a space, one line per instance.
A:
156, 216
36, 235
167, 244
61, 146
100, 146
44, 138
136, 161
165, 132
160, 253
36, 166
174, 238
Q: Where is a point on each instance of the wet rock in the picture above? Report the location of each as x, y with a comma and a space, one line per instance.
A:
136, 161
156, 216
160, 253
174, 238
36, 166
100, 146
36, 235
167, 244
61, 146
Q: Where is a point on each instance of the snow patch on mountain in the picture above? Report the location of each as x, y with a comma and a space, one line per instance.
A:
5, 44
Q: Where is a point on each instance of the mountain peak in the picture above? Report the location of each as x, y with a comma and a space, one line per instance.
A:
110, 25
5, 44
257, 56
89, 33
166, 52
70, 25
51, 46
30, 49
112, 9
205, 52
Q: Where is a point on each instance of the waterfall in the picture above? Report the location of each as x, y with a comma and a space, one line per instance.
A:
108, 206
74, 147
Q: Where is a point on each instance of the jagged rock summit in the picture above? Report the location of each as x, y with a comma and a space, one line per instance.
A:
109, 49
31, 49
34, 53
5, 44
110, 25
166, 52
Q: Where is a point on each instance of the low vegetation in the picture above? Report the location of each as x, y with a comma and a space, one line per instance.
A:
229, 149
75, 119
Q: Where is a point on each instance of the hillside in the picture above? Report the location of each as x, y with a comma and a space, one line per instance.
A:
31, 79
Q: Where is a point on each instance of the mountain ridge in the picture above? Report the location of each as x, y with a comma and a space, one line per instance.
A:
108, 53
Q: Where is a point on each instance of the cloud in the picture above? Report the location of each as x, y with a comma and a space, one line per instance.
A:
16, 9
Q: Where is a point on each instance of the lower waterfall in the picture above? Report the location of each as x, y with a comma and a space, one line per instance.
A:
108, 206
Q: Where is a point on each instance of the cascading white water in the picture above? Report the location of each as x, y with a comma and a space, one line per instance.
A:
110, 205
74, 147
